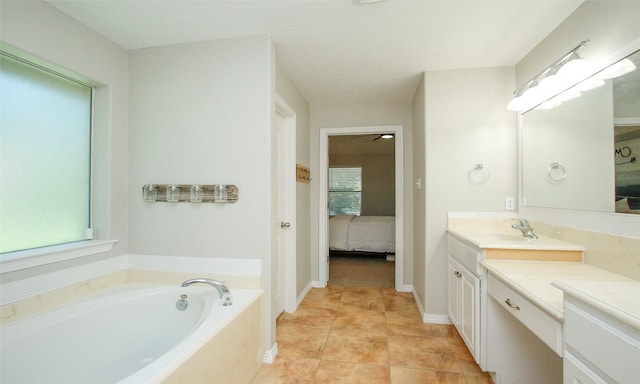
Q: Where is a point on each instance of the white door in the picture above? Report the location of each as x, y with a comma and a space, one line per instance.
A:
283, 201
470, 311
279, 221
454, 292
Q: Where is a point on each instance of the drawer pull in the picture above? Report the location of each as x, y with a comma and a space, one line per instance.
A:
508, 302
458, 274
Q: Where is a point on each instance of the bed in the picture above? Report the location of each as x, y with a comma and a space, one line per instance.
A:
628, 199
367, 234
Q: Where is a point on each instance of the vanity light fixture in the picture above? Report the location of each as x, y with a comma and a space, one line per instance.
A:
562, 73
618, 69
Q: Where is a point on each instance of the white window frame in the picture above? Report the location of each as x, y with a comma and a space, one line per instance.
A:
29, 258
361, 182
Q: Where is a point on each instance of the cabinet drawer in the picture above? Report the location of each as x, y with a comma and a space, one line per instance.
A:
543, 325
613, 351
465, 254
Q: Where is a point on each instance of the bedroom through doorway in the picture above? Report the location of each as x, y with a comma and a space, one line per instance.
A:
363, 198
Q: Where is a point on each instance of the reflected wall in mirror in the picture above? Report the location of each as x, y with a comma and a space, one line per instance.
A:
581, 149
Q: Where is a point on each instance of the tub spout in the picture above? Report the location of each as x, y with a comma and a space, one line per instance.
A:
221, 286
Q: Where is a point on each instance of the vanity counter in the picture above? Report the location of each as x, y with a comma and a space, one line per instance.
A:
619, 299
511, 239
533, 280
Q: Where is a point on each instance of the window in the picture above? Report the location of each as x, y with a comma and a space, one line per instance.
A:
345, 190
45, 163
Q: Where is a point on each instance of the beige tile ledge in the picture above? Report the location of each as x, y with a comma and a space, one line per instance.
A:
533, 280
30, 306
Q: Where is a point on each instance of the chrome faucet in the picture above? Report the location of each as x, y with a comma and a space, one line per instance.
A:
524, 227
221, 286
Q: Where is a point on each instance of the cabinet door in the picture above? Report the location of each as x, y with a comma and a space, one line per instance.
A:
575, 372
454, 292
470, 311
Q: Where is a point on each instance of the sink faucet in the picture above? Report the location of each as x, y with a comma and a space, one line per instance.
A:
219, 285
524, 227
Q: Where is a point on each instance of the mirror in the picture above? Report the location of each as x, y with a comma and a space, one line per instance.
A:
581, 149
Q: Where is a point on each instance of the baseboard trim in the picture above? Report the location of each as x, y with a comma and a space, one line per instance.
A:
303, 294
418, 303
431, 318
270, 355
317, 284
407, 288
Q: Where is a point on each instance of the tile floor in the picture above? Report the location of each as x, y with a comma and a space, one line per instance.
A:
348, 335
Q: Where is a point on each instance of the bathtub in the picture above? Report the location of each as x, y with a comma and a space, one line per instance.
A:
132, 333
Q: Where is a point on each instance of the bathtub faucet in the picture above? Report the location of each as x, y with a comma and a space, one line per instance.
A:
524, 227
221, 286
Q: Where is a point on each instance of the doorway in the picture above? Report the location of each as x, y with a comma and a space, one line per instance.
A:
323, 258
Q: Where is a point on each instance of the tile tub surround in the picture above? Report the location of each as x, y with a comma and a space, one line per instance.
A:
49, 300
32, 305
226, 358
366, 335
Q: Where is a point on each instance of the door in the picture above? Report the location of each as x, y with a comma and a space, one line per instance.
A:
283, 207
469, 311
279, 221
454, 291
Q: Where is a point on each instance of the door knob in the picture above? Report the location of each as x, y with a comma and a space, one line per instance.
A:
285, 224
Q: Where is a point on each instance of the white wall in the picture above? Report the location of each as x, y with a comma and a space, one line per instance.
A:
610, 25
51, 37
360, 115
288, 91
200, 113
466, 123
378, 180
419, 193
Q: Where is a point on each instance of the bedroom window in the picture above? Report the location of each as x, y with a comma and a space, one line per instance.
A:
45, 145
345, 190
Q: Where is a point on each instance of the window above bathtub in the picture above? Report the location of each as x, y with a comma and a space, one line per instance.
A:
47, 150
45, 141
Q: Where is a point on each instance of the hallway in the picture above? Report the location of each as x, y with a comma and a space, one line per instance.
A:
347, 335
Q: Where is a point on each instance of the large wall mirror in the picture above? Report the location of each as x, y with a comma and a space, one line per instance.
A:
581, 150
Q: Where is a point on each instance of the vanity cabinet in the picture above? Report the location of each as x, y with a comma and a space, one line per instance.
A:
540, 323
598, 347
464, 293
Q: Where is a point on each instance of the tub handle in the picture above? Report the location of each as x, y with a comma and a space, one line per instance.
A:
182, 303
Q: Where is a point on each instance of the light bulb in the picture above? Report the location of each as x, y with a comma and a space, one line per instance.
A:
575, 70
618, 69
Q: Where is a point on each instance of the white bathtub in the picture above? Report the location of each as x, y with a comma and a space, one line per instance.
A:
132, 333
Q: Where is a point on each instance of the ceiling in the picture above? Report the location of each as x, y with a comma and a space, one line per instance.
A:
338, 51
361, 145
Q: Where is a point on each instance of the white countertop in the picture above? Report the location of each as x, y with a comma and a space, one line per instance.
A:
511, 239
619, 299
603, 289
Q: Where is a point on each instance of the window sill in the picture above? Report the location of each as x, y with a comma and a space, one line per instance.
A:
16, 261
